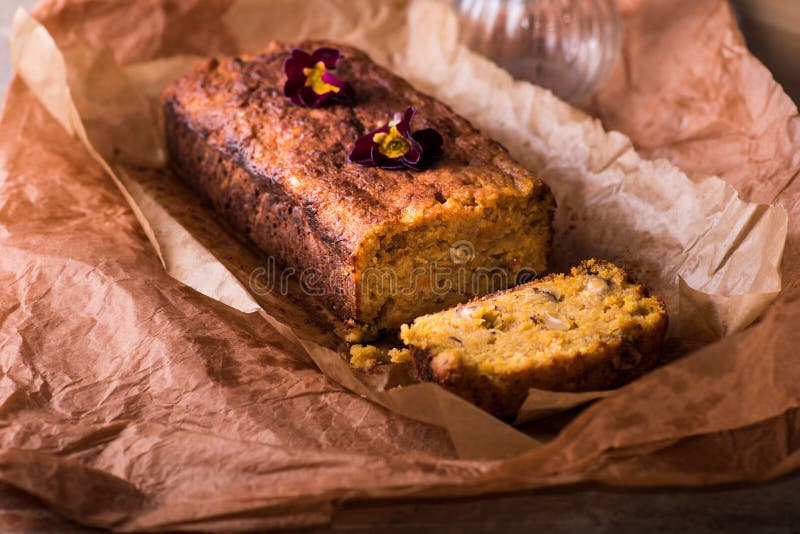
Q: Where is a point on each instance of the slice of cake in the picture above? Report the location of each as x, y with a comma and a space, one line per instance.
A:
592, 329
380, 246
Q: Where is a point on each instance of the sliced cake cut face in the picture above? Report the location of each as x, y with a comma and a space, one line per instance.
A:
591, 329
451, 254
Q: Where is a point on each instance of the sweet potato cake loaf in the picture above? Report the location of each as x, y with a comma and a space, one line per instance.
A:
382, 246
593, 329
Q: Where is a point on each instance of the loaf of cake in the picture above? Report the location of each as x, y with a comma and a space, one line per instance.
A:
592, 329
379, 246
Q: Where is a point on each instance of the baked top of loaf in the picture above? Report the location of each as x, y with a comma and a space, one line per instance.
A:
387, 245
581, 331
238, 106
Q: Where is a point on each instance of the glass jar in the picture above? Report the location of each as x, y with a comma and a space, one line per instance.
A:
568, 46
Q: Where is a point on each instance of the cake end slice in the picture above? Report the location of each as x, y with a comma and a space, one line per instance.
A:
595, 328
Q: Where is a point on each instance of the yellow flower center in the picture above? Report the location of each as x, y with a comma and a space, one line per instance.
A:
392, 144
315, 82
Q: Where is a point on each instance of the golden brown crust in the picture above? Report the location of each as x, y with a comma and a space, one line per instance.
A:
504, 398
265, 213
503, 395
279, 172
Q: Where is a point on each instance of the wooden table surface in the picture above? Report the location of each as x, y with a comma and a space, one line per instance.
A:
769, 508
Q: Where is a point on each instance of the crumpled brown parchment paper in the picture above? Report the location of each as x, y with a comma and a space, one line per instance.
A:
132, 401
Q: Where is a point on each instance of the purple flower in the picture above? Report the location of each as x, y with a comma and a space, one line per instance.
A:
311, 80
393, 146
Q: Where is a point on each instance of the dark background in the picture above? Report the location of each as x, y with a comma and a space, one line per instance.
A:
772, 30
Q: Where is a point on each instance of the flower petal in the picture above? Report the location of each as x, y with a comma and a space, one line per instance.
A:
430, 143
392, 164
404, 126
295, 79
414, 155
308, 97
301, 56
430, 140
294, 64
345, 94
362, 151
322, 99
292, 88
329, 56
